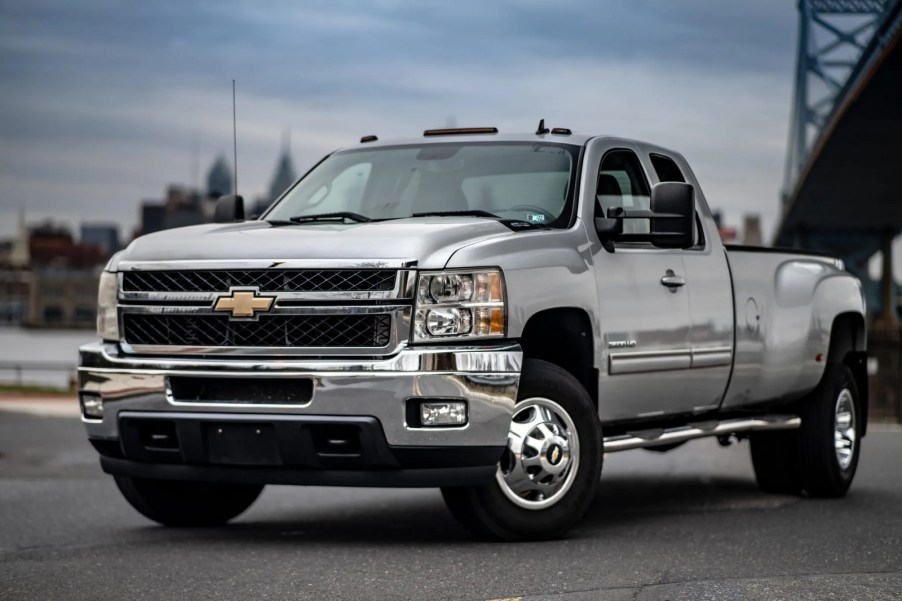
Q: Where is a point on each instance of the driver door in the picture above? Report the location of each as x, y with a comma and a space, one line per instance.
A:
645, 322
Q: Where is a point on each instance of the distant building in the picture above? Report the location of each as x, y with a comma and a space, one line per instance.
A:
727, 233
57, 287
751, 230
101, 235
182, 207
717, 216
219, 178
14, 275
49, 243
63, 298
52, 246
18, 257
14, 292
284, 175
153, 217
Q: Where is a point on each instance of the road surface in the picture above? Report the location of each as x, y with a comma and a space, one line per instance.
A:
689, 524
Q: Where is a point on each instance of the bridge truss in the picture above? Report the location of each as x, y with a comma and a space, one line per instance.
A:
833, 35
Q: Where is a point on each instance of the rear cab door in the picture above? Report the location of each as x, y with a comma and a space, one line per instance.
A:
709, 288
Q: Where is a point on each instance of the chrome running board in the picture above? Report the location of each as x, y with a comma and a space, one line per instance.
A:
641, 439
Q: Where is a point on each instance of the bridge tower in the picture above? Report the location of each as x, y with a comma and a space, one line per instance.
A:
832, 37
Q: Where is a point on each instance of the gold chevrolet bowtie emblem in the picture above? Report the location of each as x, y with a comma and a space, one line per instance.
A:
243, 303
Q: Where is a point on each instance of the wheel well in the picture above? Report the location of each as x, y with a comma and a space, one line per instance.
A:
848, 338
563, 337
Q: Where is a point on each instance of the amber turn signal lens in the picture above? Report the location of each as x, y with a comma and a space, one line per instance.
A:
496, 323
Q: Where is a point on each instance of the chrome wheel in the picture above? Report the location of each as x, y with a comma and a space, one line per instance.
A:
844, 433
542, 455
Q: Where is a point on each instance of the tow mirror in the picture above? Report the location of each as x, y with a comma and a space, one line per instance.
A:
229, 209
673, 219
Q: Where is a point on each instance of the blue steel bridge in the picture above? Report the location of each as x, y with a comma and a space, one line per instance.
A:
842, 191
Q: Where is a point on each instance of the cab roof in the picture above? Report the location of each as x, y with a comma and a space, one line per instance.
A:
466, 136
491, 134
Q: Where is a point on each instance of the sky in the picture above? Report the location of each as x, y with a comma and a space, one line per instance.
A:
104, 103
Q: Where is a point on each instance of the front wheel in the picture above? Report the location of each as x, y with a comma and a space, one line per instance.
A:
184, 503
549, 472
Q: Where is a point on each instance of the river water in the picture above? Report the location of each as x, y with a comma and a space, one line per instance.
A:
54, 349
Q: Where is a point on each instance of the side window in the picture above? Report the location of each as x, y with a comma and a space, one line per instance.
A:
666, 169
622, 183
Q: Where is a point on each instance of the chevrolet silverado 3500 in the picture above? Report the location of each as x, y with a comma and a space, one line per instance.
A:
490, 314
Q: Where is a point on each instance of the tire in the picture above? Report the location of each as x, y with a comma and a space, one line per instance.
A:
822, 455
829, 441
775, 458
183, 503
556, 430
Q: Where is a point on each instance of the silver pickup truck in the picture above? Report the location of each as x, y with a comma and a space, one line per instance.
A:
489, 314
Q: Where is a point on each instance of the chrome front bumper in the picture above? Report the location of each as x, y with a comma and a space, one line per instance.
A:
486, 377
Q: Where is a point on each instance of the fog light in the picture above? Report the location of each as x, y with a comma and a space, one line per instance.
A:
91, 405
443, 413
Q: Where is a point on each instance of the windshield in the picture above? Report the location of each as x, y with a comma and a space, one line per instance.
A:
524, 181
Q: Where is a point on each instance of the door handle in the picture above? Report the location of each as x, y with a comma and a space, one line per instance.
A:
672, 281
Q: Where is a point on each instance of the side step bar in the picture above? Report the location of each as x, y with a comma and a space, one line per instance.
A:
641, 439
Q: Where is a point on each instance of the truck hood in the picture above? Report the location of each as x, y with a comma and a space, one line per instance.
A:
428, 241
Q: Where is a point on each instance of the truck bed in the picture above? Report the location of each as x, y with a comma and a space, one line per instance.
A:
781, 299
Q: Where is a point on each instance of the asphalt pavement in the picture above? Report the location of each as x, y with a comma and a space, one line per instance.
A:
688, 524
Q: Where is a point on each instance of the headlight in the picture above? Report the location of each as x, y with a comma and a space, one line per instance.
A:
107, 301
459, 304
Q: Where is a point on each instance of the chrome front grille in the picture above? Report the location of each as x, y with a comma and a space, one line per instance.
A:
344, 307
265, 280
271, 331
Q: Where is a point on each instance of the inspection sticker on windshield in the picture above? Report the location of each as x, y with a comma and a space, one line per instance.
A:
535, 218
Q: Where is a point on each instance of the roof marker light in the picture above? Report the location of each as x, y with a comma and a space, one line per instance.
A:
460, 131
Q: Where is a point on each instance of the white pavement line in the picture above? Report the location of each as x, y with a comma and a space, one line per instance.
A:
43, 407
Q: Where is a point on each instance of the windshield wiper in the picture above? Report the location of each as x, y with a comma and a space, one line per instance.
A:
337, 216
473, 213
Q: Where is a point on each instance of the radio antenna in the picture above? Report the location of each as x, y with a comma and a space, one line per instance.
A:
234, 138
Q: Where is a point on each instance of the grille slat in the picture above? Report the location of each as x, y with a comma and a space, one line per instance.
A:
315, 331
266, 280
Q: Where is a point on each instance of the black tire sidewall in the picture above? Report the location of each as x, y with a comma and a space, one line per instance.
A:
498, 514
821, 472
